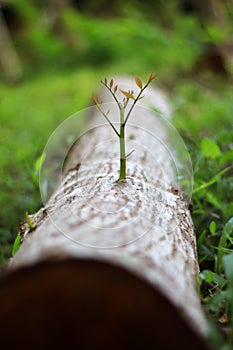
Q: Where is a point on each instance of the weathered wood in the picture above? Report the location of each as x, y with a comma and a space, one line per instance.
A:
81, 304
140, 230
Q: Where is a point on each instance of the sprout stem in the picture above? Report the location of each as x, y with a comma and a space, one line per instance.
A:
123, 120
122, 145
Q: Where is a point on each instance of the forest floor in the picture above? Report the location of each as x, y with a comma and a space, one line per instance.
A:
202, 113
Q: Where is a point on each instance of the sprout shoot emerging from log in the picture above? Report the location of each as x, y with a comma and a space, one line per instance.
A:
122, 104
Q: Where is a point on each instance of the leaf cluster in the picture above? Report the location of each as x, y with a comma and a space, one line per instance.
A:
127, 95
122, 104
213, 220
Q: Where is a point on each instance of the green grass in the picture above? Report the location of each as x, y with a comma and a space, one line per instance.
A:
63, 84
29, 114
203, 109
213, 220
203, 115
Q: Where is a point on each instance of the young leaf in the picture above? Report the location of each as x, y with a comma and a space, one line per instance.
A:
228, 227
210, 149
211, 277
16, 244
31, 223
115, 89
106, 81
151, 77
214, 179
138, 82
212, 227
127, 94
111, 83
95, 99
228, 266
39, 162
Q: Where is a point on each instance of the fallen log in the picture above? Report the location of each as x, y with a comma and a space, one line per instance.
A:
109, 264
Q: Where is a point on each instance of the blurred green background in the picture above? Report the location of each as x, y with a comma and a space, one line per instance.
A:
52, 57
55, 53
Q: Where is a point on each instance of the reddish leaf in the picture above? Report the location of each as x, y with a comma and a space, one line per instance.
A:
138, 82
115, 89
95, 99
127, 94
105, 80
111, 83
151, 77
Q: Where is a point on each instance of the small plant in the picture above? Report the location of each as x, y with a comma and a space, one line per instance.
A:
213, 219
128, 95
16, 244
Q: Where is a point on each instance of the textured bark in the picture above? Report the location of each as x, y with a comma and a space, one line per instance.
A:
141, 226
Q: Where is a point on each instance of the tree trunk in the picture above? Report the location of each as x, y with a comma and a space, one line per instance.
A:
217, 56
109, 264
212, 11
55, 10
9, 60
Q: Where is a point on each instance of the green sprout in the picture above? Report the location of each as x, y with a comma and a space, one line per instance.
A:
122, 104
16, 244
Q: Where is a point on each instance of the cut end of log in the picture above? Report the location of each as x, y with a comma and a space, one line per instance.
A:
86, 304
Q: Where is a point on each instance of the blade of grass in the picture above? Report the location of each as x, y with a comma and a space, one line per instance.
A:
214, 179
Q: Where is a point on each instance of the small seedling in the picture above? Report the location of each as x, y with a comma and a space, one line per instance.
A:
27, 226
30, 222
122, 104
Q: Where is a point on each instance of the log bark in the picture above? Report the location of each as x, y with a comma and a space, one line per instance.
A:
109, 264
